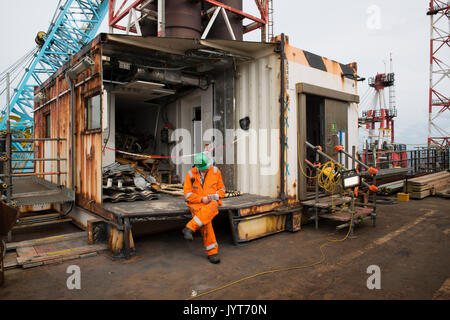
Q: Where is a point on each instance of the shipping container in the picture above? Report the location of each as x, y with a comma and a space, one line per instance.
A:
253, 104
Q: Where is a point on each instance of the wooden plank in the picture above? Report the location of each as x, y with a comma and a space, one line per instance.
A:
10, 261
437, 181
420, 195
26, 252
429, 178
29, 243
172, 193
61, 254
172, 189
167, 186
438, 186
423, 191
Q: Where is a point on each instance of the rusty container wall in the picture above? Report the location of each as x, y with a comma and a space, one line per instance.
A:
149, 27
88, 144
219, 29
183, 19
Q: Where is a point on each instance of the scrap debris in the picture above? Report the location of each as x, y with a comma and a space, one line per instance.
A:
133, 179
122, 182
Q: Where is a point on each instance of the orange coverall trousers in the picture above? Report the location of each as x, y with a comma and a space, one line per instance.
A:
203, 214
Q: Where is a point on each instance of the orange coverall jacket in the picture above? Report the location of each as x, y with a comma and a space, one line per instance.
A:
203, 214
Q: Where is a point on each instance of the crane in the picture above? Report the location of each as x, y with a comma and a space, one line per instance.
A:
439, 93
74, 24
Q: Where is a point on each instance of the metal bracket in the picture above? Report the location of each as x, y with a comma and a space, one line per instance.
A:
213, 19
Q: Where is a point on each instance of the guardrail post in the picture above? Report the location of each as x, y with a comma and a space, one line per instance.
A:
58, 163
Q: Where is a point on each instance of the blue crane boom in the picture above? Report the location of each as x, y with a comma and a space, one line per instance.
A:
75, 23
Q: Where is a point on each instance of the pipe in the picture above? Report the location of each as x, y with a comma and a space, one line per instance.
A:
173, 77
8, 143
72, 131
282, 114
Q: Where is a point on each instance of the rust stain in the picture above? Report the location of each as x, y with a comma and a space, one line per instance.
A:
260, 209
34, 208
87, 161
261, 226
296, 55
332, 66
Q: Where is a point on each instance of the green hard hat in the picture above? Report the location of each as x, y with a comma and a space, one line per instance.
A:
202, 161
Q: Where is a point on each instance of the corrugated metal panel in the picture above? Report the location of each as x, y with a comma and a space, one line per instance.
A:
88, 175
257, 95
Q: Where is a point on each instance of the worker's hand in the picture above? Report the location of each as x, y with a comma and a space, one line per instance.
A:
213, 197
205, 200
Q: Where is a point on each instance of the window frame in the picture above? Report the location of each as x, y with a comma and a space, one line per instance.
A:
47, 125
87, 98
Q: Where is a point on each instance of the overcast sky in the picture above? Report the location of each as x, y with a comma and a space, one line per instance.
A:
345, 31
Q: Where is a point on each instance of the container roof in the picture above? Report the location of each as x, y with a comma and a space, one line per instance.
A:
240, 50
180, 46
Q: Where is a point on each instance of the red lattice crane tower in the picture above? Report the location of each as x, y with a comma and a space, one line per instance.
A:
126, 15
439, 103
379, 112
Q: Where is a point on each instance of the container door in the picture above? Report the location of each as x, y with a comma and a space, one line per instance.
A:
336, 118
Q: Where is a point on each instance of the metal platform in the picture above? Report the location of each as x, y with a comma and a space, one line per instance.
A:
327, 202
122, 215
36, 191
347, 216
170, 206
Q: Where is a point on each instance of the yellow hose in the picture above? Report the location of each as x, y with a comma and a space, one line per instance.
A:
329, 178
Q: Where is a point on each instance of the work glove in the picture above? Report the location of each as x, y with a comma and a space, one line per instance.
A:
213, 197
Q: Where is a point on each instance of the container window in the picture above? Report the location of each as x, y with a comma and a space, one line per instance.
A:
93, 113
48, 122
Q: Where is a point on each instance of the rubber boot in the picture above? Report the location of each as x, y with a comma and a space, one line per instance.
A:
188, 234
214, 258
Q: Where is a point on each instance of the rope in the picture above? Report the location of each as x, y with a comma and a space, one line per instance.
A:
170, 157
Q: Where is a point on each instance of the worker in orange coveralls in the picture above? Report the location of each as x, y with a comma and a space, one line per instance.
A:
204, 191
